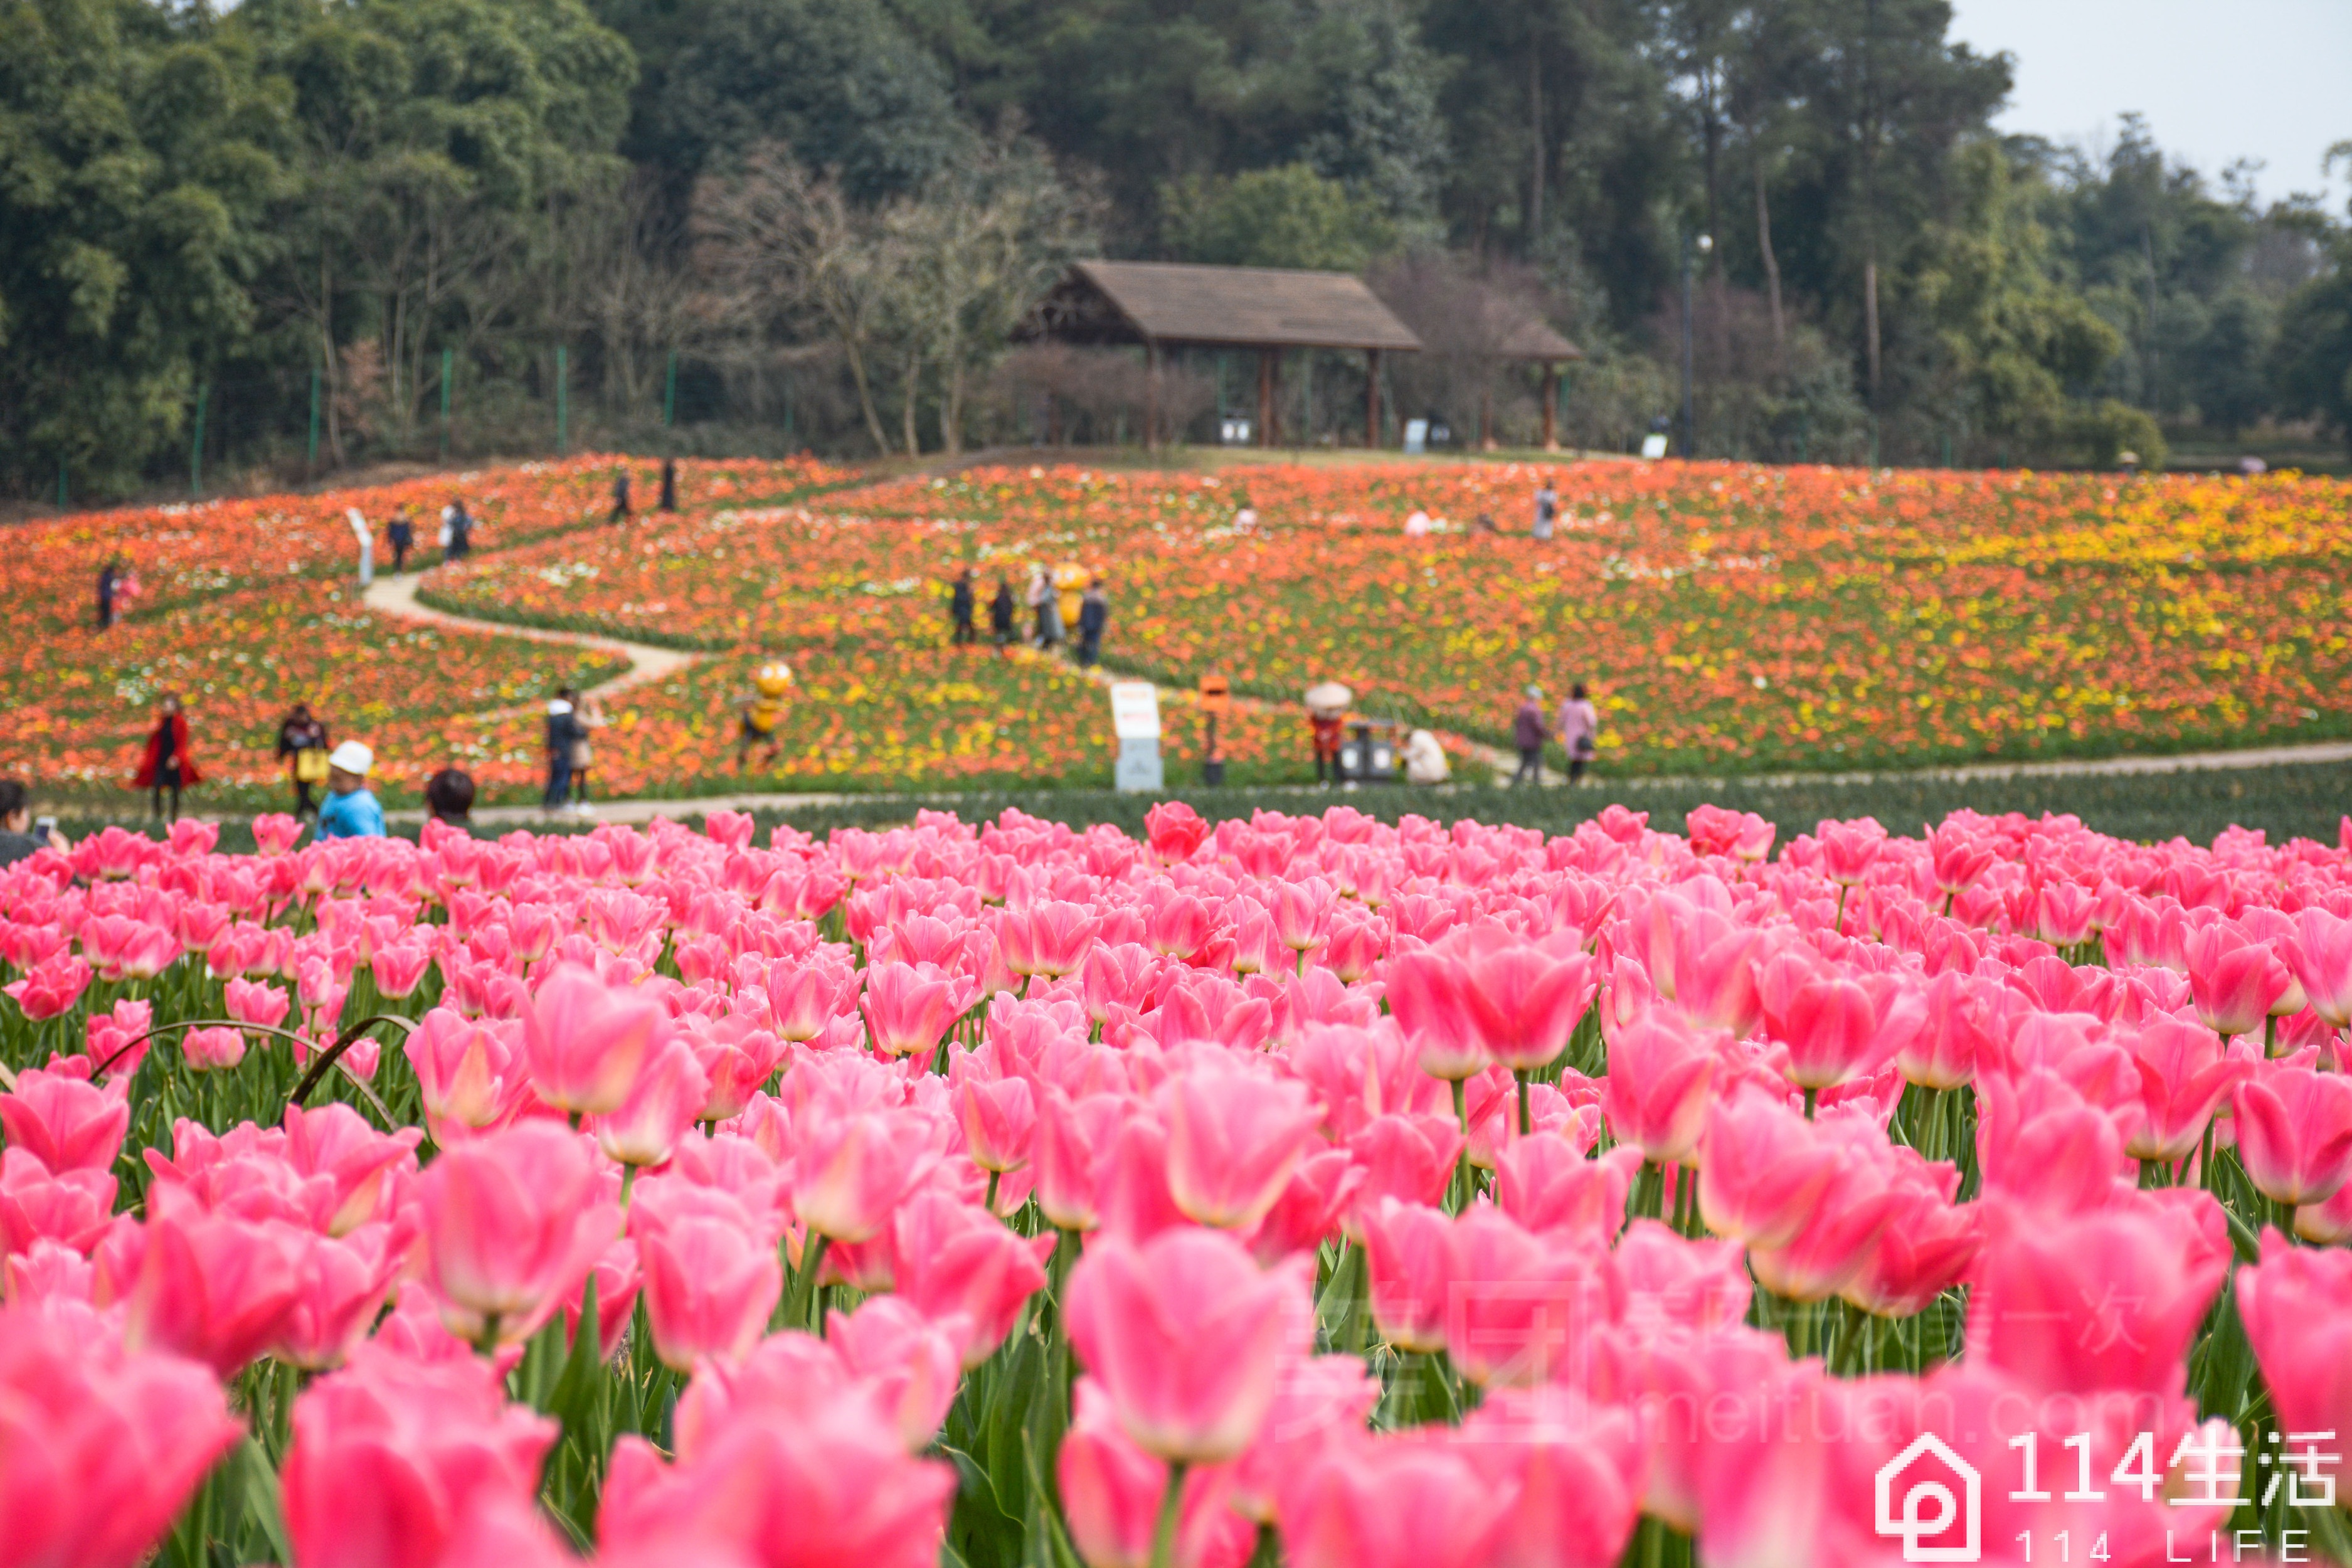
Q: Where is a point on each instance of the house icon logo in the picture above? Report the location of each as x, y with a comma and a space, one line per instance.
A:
1930, 1509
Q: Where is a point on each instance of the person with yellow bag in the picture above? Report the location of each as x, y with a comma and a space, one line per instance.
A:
303, 746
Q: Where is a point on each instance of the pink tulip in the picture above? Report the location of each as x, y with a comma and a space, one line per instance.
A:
99, 1449
1049, 939
215, 1289
1573, 1473
1075, 1140
392, 1458
1841, 1227
829, 1487
513, 1221
958, 1260
118, 1039
1656, 1096
1954, 1030
1409, 1257
1112, 1491
910, 1005
1000, 1121
737, 1060
1187, 1335
2294, 1132
911, 1363
212, 1050
2103, 1300
366, 1169
71, 1123
2183, 1079
469, 1073
399, 970
710, 1270
1926, 1247
1320, 1403
1546, 1183
1429, 990
584, 1042
1836, 1029
2040, 1142
1960, 857
73, 1207
2320, 954
620, 1278
1408, 1500
852, 1169
1528, 998
1233, 1138
1408, 1157
252, 1002
1763, 1170
1523, 1304
1785, 1475
53, 987
2233, 980
2297, 1309
339, 1286
666, 1098
1669, 1278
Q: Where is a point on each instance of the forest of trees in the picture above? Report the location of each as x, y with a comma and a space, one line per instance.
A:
297, 235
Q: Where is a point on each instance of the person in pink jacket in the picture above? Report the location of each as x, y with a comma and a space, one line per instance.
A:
1580, 729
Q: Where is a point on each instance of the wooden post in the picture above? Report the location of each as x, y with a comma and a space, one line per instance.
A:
1150, 394
1371, 399
1265, 397
1551, 407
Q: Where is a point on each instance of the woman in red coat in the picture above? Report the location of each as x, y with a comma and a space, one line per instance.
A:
167, 764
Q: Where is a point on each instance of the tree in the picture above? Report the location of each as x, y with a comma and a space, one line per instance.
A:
137, 155
1289, 216
2314, 367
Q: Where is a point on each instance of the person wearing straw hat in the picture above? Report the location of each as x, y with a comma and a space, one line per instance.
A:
351, 811
1326, 716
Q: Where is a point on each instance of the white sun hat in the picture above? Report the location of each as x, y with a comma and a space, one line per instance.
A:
352, 757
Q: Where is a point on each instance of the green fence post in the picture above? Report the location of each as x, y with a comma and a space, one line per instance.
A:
669, 392
562, 401
196, 446
446, 358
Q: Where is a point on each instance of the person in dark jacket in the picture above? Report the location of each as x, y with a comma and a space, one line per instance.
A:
450, 797
1093, 614
303, 747
620, 495
107, 576
1528, 733
18, 837
961, 599
670, 484
564, 732
402, 536
167, 764
458, 527
1001, 611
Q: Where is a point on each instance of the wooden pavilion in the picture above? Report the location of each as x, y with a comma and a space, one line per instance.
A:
1162, 305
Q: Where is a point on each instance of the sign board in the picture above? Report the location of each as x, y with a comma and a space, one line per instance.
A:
1139, 769
1416, 436
1134, 711
1654, 446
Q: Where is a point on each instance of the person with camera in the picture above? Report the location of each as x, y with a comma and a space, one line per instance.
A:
20, 836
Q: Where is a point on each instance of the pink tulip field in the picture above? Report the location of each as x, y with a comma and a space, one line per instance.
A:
1300, 1190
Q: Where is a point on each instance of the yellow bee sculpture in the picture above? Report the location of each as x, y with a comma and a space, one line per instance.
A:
763, 713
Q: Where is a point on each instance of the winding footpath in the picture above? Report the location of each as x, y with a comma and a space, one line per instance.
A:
396, 596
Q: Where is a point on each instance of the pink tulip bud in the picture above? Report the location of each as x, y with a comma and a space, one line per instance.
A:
2297, 1309
584, 1041
1656, 1096
852, 1168
212, 1050
1233, 1138
910, 1362
999, 1118
710, 1270
2294, 1132
1187, 1335
1409, 1257
666, 1100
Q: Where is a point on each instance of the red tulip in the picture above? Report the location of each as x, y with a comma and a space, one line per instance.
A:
2294, 1132
711, 1275
584, 1041
1187, 1335
513, 1221
393, 1458
70, 1122
99, 1448
1233, 1138
1112, 1491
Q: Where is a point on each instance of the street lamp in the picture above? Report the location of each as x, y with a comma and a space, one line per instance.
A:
1703, 244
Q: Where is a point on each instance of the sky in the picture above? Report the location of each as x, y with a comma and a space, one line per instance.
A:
2217, 79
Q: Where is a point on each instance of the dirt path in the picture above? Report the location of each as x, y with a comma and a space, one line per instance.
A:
397, 597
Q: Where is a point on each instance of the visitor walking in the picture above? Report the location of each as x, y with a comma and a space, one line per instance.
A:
456, 532
1045, 606
402, 536
19, 835
1327, 728
1528, 733
303, 746
620, 495
351, 810
563, 731
961, 600
1547, 508
670, 484
1001, 613
1579, 730
450, 797
1094, 615
589, 714
168, 763
109, 577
